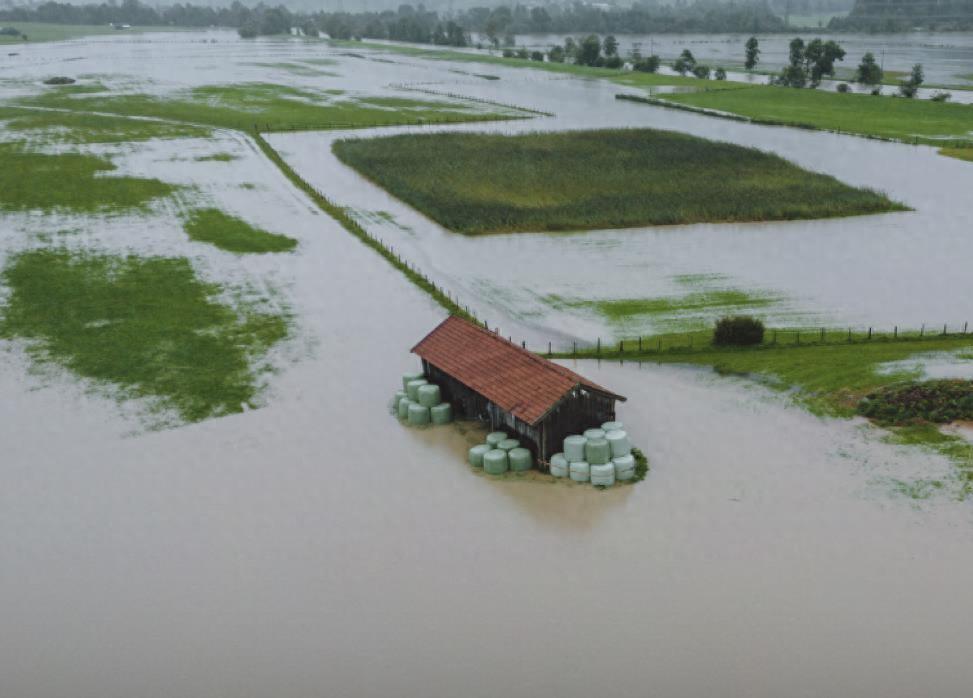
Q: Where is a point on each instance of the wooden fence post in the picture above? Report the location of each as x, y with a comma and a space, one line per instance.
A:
869, 334
599, 346
640, 344
895, 332
574, 352
548, 348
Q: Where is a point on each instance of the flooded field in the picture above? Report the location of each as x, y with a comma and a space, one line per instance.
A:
314, 546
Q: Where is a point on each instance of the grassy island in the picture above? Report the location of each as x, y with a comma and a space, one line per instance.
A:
480, 183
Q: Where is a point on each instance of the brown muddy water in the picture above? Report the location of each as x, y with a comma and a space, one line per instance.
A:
316, 547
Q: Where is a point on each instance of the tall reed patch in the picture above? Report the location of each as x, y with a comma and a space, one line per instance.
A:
483, 183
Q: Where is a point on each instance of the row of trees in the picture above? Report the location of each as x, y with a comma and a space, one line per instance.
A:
900, 15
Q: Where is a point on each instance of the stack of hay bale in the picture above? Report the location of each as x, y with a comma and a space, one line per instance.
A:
599, 456
499, 454
420, 402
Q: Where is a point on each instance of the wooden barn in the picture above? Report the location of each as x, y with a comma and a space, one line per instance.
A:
488, 378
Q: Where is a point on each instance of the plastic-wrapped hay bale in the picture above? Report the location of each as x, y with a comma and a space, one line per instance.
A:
624, 467
412, 389
418, 414
429, 395
580, 471
441, 413
574, 448
559, 465
495, 462
598, 451
409, 377
612, 426
619, 443
403, 408
603, 475
495, 437
594, 434
520, 459
399, 396
508, 444
476, 454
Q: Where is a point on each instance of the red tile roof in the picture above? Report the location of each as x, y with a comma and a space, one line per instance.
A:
516, 380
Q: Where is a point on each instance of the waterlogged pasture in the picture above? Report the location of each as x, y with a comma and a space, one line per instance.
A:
267, 106
234, 234
477, 183
910, 120
70, 181
66, 127
147, 326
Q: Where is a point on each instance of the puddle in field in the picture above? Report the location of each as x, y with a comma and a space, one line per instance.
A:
934, 365
318, 546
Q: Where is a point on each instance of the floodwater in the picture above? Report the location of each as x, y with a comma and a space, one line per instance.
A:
946, 57
317, 547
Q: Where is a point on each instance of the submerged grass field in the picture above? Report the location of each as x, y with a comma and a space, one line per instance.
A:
42, 31
265, 106
476, 183
147, 326
72, 127
902, 119
71, 181
233, 234
958, 153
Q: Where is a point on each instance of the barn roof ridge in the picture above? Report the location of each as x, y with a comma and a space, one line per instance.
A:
531, 385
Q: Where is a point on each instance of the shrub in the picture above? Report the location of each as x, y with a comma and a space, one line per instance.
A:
701, 71
614, 62
537, 56
939, 401
738, 331
843, 87
508, 53
941, 97
648, 65
522, 53
720, 73
641, 465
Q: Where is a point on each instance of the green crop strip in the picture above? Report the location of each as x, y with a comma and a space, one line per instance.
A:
478, 183
145, 325
233, 234
47, 126
36, 181
958, 153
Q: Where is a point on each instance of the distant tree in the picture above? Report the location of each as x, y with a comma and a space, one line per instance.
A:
843, 87
701, 71
648, 65
556, 54
720, 73
869, 71
752, 53
522, 53
537, 56
310, 28
614, 62
570, 48
248, 31
685, 63
492, 30
909, 87
820, 57
610, 46
589, 51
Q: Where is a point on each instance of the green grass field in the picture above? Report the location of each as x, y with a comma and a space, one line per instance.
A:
233, 234
901, 119
69, 181
267, 106
74, 127
147, 326
958, 153
475, 183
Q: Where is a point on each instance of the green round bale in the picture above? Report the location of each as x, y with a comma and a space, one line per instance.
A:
559, 465
619, 443
412, 389
495, 462
574, 448
612, 426
441, 413
409, 377
592, 433
493, 438
580, 471
508, 444
520, 459
403, 408
624, 467
418, 414
598, 451
476, 455
429, 395
399, 396
603, 475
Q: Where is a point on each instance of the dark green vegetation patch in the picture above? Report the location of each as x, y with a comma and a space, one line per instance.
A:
30, 181
477, 183
940, 402
234, 234
148, 326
